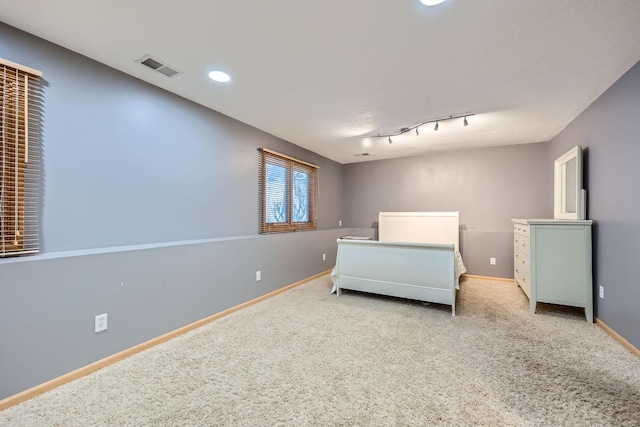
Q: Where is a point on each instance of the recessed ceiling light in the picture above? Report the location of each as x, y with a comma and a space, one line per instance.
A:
219, 76
431, 2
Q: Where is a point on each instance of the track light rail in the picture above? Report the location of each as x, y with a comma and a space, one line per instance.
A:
417, 126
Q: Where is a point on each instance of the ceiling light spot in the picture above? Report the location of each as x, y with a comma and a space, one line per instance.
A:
431, 2
219, 76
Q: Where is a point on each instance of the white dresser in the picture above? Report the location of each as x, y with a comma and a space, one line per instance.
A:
552, 262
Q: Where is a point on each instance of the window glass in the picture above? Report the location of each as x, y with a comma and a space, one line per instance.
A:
276, 194
300, 196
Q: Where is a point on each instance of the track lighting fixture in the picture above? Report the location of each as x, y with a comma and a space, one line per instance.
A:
415, 127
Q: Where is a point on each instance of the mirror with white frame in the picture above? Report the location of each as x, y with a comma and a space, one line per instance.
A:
569, 197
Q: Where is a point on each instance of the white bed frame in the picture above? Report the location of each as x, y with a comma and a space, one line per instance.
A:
415, 258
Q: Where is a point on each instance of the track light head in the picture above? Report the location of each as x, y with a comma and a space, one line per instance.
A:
466, 123
390, 141
436, 127
417, 132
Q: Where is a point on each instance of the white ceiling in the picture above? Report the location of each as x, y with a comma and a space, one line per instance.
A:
322, 74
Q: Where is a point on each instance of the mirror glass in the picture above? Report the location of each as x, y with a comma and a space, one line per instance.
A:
569, 201
568, 193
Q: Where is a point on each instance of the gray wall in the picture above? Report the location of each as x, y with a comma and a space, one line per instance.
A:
487, 186
149, 213
609, 131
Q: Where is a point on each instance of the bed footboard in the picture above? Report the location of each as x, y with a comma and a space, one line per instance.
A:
419, 271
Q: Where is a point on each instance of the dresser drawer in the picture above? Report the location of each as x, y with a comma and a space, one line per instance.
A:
521, 243
522, 270
522, 263
521, 229
525, 283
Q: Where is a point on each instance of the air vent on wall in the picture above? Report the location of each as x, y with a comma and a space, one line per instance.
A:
159, 66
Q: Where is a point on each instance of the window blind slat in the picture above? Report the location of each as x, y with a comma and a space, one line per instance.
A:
20, 116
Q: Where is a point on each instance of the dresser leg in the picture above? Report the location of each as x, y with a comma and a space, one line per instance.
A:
532, 306
588, 313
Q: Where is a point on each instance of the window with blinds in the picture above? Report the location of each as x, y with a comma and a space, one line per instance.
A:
20, 108
288, 193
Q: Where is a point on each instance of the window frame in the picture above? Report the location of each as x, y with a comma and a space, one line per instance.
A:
291, 165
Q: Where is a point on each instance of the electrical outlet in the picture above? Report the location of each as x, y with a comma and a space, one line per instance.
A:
601, 292
324, 257
258, 276
101, 322
492, 261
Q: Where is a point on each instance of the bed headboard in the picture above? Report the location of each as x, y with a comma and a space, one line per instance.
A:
419, 227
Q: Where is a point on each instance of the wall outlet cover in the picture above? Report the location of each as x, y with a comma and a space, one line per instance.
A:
101, 322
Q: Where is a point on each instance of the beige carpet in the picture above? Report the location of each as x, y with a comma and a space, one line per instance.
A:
308, 358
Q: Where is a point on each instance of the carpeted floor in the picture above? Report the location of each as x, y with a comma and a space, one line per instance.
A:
306, 357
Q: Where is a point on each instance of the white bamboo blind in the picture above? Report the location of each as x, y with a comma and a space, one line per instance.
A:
20, 117
287, 205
